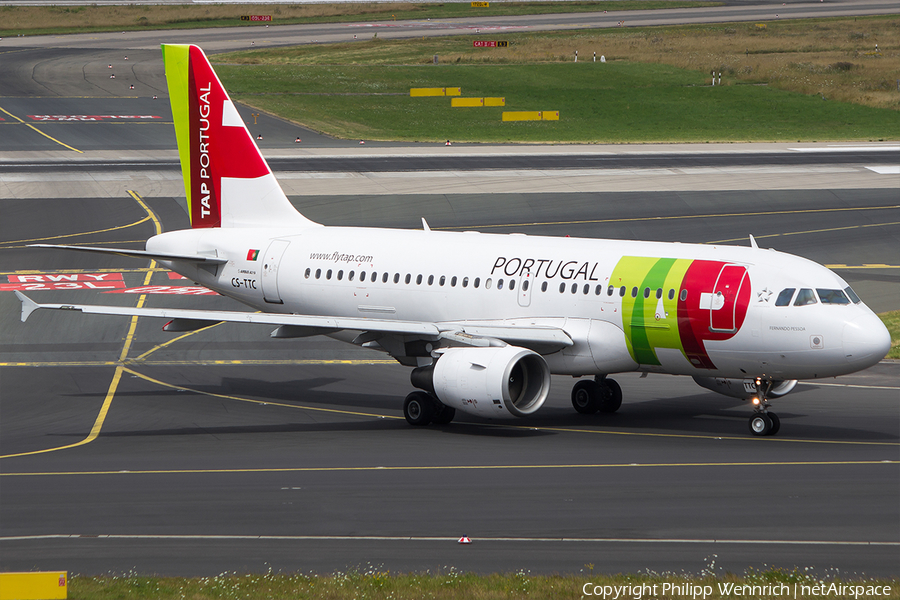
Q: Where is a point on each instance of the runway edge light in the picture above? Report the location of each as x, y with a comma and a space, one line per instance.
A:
41, 585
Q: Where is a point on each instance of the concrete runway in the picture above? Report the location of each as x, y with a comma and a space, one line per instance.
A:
226, 450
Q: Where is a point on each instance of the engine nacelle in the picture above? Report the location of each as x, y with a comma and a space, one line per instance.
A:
744, 389
498, 383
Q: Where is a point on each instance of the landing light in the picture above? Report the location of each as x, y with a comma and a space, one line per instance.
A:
755, 401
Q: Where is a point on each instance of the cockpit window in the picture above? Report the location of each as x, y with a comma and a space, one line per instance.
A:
784, 298
804, 297
852, 295
832, 296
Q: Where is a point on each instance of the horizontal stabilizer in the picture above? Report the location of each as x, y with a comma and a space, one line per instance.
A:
196, 258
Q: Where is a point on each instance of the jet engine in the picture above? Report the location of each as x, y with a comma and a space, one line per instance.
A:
498, 383
744, 389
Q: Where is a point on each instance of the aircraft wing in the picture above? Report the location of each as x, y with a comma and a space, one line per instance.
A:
215, 316
466, 334
197, 258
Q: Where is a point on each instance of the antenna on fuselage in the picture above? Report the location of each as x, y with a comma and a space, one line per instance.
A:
425, 225
753, 242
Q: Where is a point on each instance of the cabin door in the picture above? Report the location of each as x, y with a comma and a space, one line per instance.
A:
271, 264
723, 303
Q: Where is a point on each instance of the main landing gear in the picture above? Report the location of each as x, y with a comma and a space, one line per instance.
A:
599, 394
421, 408
763, 422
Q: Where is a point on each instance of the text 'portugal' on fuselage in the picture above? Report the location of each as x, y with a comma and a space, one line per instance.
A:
484, 320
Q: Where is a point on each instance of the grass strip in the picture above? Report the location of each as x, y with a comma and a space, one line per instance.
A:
611, 103
813, 80
62, 19
892, 322
375, 584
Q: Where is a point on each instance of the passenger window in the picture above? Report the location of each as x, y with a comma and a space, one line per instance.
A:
646, 292
500, 284
525, 286
574, 287
805, 297
442, 281
408, 277
453, 281
477, 282
487, 283
622, 291
587, 288
318, 273
419, 279
430, 279
350, 276
671, 294
384, 278
340, 274
465, 282
832, 296
597, 290
375, 276
543, 286
610, 290
658, 293
512, 284
634, 292
328, 274
562, 288
362, 276
306, 274
683, 295
852, 295
784, 298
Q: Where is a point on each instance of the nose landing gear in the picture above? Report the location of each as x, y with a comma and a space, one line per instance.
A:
763, 422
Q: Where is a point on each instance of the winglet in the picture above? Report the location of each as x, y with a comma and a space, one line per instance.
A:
28, 305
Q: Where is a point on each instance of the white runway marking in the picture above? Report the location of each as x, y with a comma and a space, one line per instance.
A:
850, 148
412, 538
886, 170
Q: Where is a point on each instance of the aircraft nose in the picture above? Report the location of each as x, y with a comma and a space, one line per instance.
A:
866, 340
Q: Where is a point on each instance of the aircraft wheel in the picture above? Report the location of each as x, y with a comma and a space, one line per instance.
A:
760, 424
586, 397
444, 415
776, 423
418, 408
611, 396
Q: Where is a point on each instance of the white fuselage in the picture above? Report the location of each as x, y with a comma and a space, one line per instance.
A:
627, 305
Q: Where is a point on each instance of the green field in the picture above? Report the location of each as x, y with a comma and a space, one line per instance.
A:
611, 103
892, 322
376, 584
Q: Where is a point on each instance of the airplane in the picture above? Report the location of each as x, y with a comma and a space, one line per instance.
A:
485, 319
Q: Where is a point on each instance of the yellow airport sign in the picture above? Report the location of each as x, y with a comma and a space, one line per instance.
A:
46, 585
471, 102
417, 92
480, 4
531, 115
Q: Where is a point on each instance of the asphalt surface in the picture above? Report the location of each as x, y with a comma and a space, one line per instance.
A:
226, 450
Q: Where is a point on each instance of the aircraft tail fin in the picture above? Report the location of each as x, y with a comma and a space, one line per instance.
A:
226, 179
